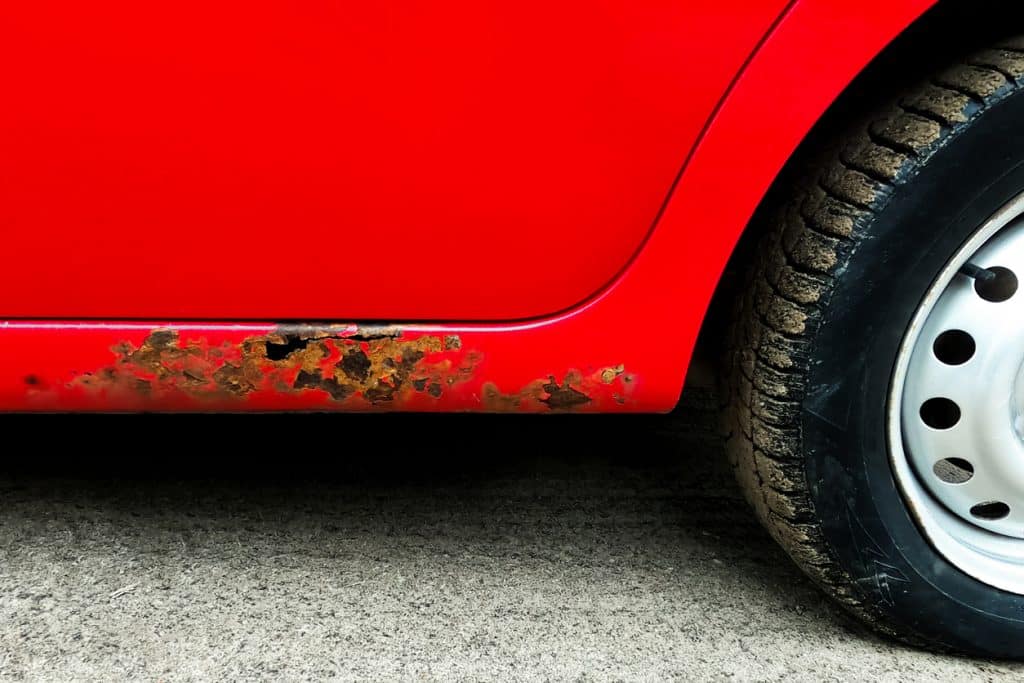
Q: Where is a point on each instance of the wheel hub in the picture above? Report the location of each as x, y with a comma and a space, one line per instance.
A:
957, 415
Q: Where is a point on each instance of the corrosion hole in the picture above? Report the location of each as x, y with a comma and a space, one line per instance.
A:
954, 470
1000, 288
992, 511
563, 396
940, 413
281, 350
356, 365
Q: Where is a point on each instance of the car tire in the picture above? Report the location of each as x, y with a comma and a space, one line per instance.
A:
837, 291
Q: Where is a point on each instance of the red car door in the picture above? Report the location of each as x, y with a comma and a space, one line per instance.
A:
337, 160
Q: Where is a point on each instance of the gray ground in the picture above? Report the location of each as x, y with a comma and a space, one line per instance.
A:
406, 547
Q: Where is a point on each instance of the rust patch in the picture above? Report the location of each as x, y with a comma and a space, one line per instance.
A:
574, 391
350, 368
366, 366
370, 332
356, 364
316, 380
565, 396
608, 375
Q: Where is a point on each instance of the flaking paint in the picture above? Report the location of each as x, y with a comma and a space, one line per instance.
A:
355, 368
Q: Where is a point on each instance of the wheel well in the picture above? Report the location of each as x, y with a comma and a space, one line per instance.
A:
950, 29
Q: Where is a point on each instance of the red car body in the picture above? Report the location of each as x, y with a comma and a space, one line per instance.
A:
409, 205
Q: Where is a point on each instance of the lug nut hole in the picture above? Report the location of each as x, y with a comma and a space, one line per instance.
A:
954, 347
991, 511
954, 470
940, 413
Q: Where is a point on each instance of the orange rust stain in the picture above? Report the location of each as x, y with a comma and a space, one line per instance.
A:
608, 375
348, 368
370, 366
574, 391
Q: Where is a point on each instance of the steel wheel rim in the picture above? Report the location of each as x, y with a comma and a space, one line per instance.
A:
956, 408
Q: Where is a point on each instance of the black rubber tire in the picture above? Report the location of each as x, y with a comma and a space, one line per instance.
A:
837, 279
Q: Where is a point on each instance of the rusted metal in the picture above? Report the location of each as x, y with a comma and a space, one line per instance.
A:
333, 367
359, 367
573, 391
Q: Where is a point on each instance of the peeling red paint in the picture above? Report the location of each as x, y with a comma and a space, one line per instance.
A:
573, 391
360, 367
316, 367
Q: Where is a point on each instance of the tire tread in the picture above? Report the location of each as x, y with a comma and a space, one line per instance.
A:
799, 260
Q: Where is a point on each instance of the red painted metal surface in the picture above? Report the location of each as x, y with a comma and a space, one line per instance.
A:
349, 368
324, 160
642, 327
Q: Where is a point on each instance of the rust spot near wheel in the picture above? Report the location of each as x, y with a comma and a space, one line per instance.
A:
564, 396
573, 391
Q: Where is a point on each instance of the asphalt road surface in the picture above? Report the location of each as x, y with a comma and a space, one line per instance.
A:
231, 547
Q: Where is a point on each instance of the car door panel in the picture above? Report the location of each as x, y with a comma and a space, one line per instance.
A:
331, 160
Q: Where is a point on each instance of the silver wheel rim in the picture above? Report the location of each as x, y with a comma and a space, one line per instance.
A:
956, 410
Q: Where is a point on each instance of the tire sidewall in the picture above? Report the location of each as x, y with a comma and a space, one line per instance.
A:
890, 267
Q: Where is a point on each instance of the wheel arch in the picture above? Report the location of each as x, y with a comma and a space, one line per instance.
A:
786, 114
